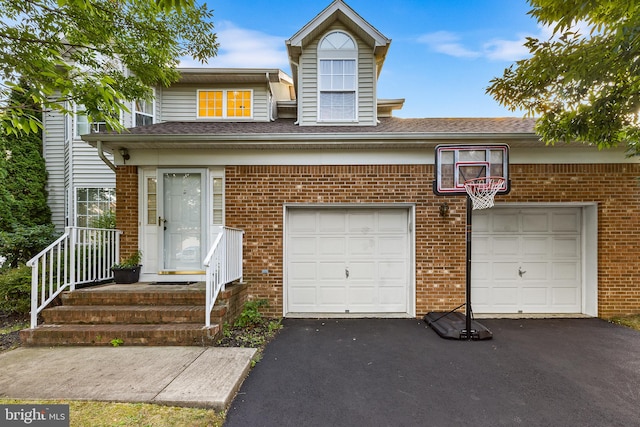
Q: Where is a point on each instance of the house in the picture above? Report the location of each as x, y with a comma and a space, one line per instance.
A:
334, 194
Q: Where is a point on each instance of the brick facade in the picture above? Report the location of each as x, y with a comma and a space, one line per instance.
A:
255, 196
127, 211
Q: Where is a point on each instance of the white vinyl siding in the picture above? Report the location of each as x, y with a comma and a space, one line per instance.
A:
180, 103
54, 151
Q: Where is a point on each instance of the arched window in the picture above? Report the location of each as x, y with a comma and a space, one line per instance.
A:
337, 77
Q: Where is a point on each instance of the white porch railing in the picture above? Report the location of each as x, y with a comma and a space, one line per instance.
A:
223, 265
79, 256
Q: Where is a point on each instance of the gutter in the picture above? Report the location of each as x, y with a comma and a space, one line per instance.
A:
103, 157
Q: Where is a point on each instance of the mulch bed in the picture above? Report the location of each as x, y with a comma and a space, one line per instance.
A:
12, 339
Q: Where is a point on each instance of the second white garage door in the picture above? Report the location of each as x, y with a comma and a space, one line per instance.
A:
347, 260
526, 260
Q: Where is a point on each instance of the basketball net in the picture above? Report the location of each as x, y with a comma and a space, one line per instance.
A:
483, 190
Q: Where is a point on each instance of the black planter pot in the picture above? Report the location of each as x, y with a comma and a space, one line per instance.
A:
127, 274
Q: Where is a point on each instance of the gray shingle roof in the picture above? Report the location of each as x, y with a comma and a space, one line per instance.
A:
390, 125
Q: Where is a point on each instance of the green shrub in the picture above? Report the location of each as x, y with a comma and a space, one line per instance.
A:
251, 315
15, 290
24, 243
107, 220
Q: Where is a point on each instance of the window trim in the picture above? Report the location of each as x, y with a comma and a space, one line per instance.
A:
337, 55
90, 125
225, 105
134, 116
76, 205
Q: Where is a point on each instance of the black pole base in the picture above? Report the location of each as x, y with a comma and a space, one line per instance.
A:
452, 325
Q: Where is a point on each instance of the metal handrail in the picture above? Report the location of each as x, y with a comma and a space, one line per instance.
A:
79, 256
223, 265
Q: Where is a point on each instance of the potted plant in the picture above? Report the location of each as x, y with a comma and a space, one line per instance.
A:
128, 270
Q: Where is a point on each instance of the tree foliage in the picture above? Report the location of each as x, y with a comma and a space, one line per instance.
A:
98, 54
582, 87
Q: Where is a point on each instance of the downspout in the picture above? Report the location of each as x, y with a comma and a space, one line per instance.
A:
104, 158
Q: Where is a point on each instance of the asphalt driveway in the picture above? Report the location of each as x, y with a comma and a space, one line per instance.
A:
398, 372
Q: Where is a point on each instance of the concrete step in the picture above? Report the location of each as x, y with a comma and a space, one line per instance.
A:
152, 335
122, 314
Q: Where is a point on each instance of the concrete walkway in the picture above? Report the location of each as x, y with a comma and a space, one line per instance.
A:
184, 376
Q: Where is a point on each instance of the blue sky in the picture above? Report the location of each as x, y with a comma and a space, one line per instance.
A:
442, 56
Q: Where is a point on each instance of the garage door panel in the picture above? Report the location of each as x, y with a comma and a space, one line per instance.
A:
505, 222
567, 296
565, 222
535, 222
505, 246
301, 271
534, 296
534, 271
505, 296
393, 221
362, 222
394, 271
393, 246
566, 247
505, 270
331, 271
331, 222
303, 246
535, 246
480, 248
567, 271
332, 246
527, 260
362, 246
362, 271
353, 260
480, 271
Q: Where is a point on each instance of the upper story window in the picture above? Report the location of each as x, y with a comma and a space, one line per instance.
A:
143, 112
337, 78
225, 104
83, 126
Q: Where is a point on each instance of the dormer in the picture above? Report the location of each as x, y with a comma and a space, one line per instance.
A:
336, 60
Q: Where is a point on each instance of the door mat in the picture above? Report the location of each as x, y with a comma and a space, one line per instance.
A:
173, 283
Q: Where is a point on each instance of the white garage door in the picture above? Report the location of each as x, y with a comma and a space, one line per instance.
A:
347, 260
526, 260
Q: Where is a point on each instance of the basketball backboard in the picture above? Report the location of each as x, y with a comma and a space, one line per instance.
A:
456, 164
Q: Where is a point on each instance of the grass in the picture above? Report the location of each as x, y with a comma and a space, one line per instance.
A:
13, 328
632, 321
107, 414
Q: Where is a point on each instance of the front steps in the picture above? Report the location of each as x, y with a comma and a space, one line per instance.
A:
137, 314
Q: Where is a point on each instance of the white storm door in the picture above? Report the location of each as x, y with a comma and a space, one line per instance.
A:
347, 260
182, 220
527, 260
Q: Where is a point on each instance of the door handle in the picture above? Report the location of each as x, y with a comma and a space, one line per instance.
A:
161, 221
346, 272
521, 271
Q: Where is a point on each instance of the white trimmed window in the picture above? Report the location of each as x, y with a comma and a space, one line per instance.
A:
92, 203
337, 78
225, 104
143, 112
83, 126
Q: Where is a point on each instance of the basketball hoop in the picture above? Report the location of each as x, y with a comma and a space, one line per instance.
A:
482, 190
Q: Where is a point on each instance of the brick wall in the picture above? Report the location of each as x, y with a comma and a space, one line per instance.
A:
255, 196
127, 208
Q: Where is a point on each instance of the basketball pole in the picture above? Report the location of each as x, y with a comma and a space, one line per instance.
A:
468, 333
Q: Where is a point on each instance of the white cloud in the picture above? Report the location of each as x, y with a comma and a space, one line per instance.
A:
505, 50
244, 48
447, 43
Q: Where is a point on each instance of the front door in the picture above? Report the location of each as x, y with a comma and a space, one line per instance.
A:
181, 220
